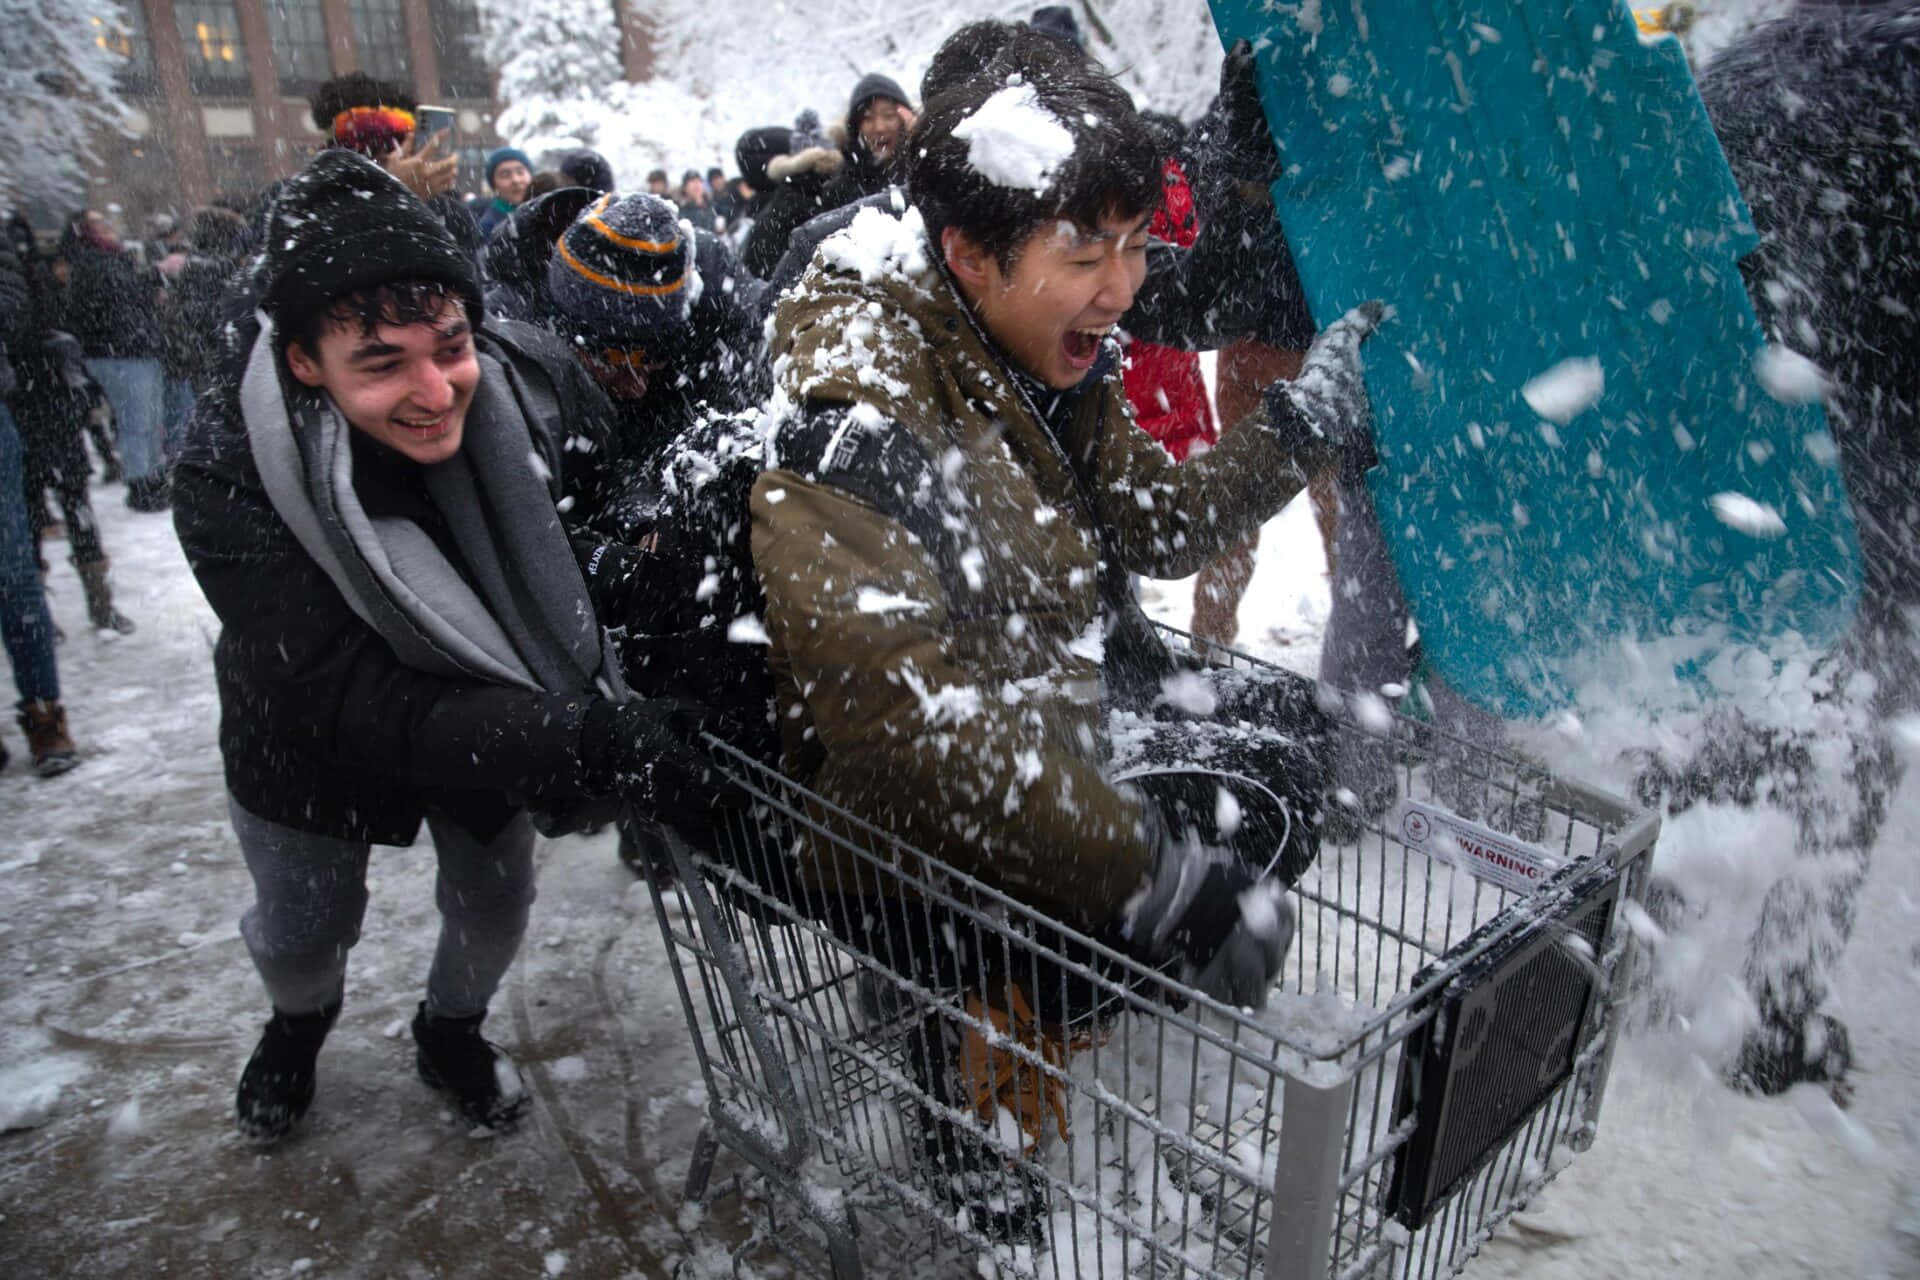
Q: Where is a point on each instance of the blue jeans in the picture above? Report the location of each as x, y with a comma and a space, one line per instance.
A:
137, 391
25, 624
178, 405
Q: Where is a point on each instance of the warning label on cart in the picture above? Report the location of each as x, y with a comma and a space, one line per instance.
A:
1486, 853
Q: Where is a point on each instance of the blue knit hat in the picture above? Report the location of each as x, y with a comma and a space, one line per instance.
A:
500, 155
619, 274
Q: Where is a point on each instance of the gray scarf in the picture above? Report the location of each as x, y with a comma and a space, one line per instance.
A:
530, 624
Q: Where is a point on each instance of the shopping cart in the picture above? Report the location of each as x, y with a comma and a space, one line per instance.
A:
917, 1075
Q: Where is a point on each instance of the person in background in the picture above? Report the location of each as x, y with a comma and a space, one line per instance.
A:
658, 184
112, 305
375, 118
51, 404
26, 626
695, 205
508, 172
720, 196
589, 169
544, 181
795, 168
1057, 20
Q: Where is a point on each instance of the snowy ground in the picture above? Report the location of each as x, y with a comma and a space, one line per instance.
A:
128, 1005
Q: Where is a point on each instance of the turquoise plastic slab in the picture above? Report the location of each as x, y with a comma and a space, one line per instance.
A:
1530, 185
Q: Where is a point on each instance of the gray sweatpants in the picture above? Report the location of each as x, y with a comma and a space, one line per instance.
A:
310, 894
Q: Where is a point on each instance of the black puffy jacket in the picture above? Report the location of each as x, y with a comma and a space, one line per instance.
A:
322, 728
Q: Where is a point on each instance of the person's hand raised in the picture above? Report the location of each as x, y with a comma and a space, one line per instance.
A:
425, 170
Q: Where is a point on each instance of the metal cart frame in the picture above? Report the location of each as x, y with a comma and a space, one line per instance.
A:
1177, 1136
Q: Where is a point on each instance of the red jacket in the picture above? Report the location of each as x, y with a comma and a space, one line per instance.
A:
1164, 385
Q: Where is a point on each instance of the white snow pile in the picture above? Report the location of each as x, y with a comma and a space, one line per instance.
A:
878, 245
1788, 376
30, 1091
1567, 390
1013, 141
1749, 515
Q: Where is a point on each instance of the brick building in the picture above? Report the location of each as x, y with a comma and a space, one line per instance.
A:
220, 88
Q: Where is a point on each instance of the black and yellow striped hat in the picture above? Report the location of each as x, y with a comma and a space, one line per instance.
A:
620, 275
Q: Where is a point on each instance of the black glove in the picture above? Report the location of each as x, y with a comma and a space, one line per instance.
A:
651, 586
647, 751
1247, 150
1322, 415
1202, 904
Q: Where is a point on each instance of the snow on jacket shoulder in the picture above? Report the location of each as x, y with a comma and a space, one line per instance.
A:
952, 693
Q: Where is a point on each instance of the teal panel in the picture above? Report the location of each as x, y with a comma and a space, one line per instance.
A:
1529, 185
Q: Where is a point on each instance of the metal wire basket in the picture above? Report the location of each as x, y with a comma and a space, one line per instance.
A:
923, 1076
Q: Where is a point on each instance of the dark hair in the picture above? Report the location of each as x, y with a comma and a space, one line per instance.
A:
964, 55
356, 89
659, 174
544, 181
397, 302
1114, 170
217, 232
716, 170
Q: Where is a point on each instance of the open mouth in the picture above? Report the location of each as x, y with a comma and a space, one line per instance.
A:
425, 429
1082, 345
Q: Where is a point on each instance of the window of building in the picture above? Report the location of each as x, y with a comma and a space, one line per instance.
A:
132, 41
380, 40
459, 42
216, 55
300, 52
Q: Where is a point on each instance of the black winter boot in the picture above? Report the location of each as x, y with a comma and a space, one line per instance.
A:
477, 1076
277, 1087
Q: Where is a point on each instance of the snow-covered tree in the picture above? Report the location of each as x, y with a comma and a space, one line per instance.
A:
57, 95
559, 63
723, 66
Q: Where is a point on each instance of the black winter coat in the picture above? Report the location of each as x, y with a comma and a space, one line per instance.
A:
191, 315
1816, 113
322, 728
717, 367
112, 303
16, 316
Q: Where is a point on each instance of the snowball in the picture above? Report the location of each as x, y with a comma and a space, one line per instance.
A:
1755, 519
1371, 712
126, 1122
1567, 390
1226, 812
1013, 141
30, 1092
1788, 376
1189, 691
747, 629
571, 1069
871, 600
507, 1079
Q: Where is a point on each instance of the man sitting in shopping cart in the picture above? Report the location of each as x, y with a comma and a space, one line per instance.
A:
945, 547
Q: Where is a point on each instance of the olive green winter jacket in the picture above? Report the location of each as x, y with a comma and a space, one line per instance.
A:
951, 693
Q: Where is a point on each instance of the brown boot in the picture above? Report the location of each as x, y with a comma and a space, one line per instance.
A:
45, 724
100, 610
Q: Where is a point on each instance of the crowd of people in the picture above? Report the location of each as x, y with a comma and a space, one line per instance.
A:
986, 415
